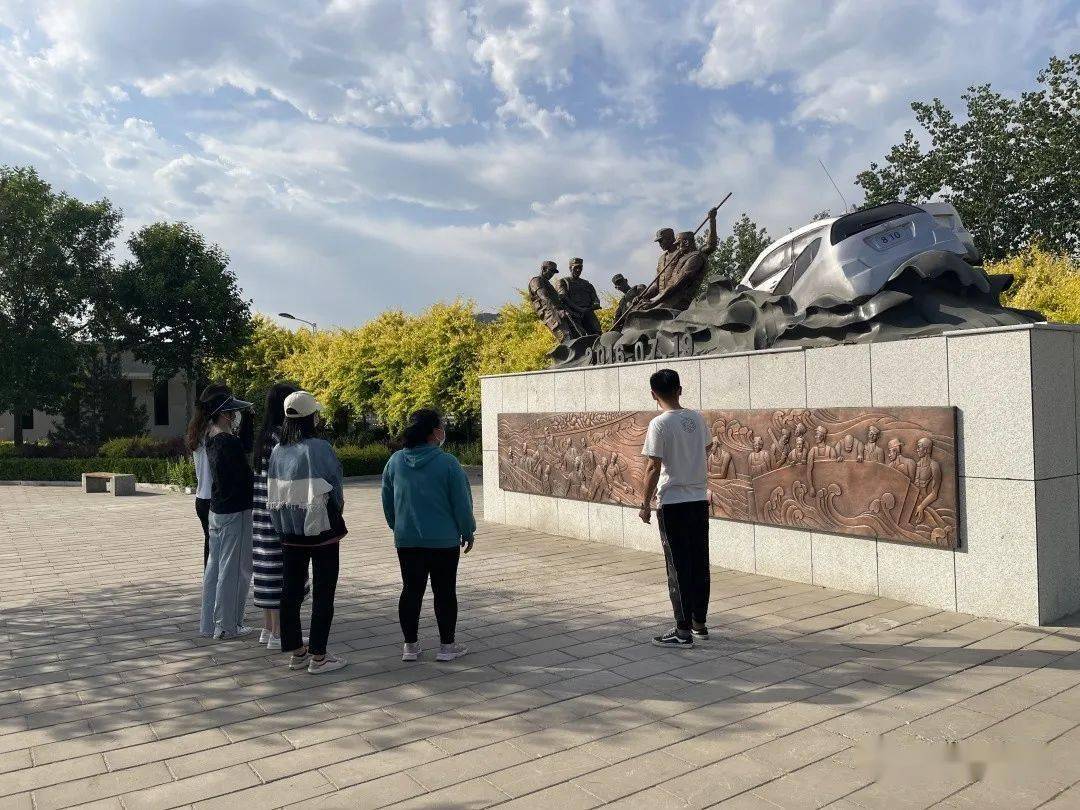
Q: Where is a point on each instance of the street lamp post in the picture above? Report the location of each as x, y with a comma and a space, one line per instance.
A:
314, 327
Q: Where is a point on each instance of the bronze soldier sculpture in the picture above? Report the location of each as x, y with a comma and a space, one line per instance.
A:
580, 299
549, 305
629, 294
679, 270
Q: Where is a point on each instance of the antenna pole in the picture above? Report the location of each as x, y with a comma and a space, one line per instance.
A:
844, 201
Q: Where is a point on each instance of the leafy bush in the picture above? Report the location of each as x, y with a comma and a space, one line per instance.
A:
470, 453
1046, 282
145, 470
368, 459
181, 472
141, 447
51, 449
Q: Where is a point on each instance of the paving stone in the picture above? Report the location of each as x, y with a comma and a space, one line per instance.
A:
110, 700
193, 789
102, 786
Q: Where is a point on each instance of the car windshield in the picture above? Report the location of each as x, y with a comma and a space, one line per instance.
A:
771, 264
848, 226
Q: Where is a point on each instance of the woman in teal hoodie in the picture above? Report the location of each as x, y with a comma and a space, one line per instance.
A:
428, 503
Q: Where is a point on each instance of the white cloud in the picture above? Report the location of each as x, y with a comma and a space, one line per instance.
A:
858, 63
361, 154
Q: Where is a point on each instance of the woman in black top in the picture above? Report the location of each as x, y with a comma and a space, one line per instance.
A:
227, 576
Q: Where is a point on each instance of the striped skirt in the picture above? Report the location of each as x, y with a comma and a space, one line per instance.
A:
267, 562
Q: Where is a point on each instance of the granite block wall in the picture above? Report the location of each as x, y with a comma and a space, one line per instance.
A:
1015, 389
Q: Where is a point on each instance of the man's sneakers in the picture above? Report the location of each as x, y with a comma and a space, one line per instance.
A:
410, 652
699, 631
672, 638
328, 663
448, 652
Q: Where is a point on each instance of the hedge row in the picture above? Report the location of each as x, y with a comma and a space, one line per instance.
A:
145, 470
367, 460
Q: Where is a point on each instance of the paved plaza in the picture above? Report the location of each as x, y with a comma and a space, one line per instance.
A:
804, 697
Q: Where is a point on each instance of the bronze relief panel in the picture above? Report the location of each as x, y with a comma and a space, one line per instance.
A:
888, 473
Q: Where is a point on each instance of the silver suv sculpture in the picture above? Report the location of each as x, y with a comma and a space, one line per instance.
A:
857, 254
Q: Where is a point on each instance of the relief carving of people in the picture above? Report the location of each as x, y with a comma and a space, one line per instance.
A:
598, 486
898, 461
598, 459
781, 448
616, 472
798, 452
927, 477
871, 452
820, 451
719, 461
760, 458
849, 448
580, 299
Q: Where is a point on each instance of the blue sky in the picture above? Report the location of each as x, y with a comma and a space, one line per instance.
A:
356, 155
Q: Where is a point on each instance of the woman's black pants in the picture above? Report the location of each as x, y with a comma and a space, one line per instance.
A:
202, 509
324, 576
417, 565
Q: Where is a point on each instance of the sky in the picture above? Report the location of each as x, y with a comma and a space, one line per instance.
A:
357, 155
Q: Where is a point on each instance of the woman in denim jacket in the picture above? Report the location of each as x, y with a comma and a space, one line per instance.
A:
305, 501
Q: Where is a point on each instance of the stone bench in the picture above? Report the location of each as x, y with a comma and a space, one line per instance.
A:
122, 483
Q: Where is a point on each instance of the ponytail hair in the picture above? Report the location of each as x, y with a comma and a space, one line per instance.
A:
421, 425
200, 419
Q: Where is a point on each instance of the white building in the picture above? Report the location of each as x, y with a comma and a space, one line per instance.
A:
166, 413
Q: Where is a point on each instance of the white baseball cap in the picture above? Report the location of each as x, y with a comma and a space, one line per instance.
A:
300, 404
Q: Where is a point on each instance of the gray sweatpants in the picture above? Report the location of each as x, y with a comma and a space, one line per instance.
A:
227, 576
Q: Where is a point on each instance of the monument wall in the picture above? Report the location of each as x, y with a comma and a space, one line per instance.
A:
1017, 549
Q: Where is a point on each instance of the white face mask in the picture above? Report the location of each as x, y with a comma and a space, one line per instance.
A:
237, 418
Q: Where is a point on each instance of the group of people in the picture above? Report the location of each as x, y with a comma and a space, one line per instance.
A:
277, 524
274, 524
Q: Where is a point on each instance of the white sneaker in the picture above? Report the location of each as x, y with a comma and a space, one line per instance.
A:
448, 652
411, 651
329, 663
264, 636
240, 632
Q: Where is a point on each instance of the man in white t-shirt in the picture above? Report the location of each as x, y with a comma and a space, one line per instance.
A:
676, 446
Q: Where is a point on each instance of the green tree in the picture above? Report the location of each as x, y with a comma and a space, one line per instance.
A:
396, 364
259, 364
183, 304
516, 341
436, 367
735, 253
1009, 167
99, 405
55, 257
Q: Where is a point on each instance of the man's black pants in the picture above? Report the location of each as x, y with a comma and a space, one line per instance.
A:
324, 576
417, 564
684, 533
